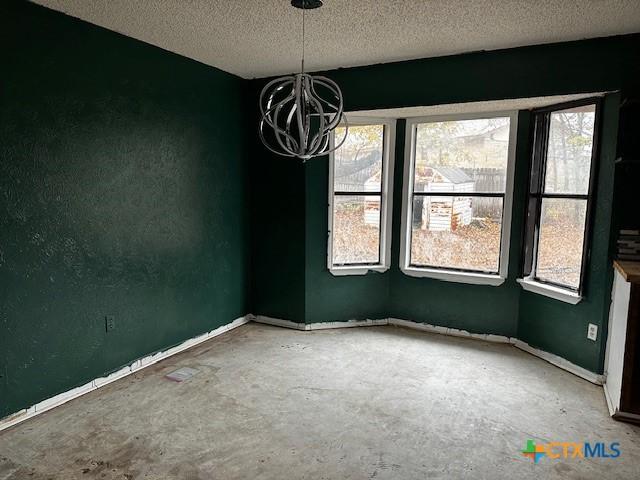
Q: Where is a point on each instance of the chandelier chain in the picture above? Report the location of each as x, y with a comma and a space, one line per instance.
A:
303, 35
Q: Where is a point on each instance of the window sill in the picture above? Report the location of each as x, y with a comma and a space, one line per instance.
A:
356, 270
454, 276
550, 291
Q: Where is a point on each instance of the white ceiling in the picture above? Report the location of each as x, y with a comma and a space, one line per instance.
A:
258, 38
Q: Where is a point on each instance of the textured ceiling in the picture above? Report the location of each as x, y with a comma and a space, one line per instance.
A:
258, 38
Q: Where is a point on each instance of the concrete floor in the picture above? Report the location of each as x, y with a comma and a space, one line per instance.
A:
356, 403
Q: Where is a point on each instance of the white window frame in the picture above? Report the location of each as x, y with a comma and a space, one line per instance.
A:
476, 278
551, 291
386, 199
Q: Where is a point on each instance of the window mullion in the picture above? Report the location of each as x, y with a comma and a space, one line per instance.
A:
459, 194
357, 194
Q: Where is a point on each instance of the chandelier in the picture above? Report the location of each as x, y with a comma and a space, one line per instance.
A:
299, 112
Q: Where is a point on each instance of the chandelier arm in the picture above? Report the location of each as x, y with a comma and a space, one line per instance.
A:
322, 151
274, 149
271, 149
307, 118
346, 132
289, 119
300, 124
272, 97
267, 116
335, 119
282, 133
307, 126
315, 143
339, 117
325, 143
322, 78
336, 107
344, 138
272, 122
278, 133
266, 88
271, 118
331, 85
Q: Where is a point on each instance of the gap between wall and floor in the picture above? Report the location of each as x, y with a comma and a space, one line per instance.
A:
144, 362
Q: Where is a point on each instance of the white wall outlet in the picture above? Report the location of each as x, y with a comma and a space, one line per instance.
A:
592, 332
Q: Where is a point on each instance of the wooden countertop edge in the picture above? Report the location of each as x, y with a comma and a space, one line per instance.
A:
629, 270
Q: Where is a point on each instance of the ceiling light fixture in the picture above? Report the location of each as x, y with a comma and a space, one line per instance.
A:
300, 111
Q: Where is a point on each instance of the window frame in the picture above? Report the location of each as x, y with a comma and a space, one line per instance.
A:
540, 118
385, 194
452, 274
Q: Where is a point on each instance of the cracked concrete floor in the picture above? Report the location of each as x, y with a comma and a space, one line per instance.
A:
356, 403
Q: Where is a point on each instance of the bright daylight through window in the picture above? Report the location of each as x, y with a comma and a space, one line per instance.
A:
359, 183
559, 195
459, 195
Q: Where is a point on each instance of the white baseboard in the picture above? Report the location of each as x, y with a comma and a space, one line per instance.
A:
277, 322
347, 324
549, 357
96, 383
560, 362
615, 412
318, 326
607, 396
425, 327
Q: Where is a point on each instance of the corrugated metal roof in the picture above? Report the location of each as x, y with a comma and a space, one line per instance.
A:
453, 174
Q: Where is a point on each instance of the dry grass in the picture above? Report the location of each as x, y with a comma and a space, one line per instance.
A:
560, 253
353, 241
472, 247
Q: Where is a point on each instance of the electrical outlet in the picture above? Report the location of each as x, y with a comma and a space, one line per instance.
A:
592, 332
109, 323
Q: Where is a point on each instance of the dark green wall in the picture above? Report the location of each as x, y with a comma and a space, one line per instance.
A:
330, 298
277, 187
122, 192
575, 67
278, 236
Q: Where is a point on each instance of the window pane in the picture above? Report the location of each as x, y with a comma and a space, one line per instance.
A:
456, 232
462, 155
562, 225
569, 150
358, 163
356, 229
